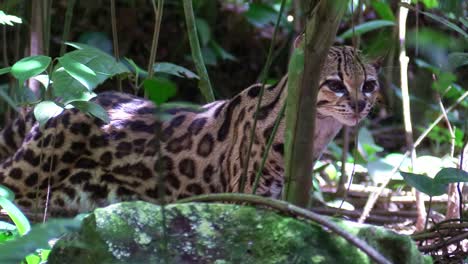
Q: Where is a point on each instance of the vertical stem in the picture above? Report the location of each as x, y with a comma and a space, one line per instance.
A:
341, 188
115, 39
204, 83
47, 21
66, 29
36, 39
4, 47
263, 78
406, 106
321, 27
158, 12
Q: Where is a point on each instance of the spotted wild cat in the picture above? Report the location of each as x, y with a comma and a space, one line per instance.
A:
88, 163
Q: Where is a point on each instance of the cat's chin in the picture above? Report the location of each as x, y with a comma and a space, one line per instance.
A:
349, 121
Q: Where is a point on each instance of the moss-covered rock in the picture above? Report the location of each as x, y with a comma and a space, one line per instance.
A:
133, 232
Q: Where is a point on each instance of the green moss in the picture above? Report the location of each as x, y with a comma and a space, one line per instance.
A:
214, 233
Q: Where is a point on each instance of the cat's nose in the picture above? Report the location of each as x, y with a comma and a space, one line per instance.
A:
358, 106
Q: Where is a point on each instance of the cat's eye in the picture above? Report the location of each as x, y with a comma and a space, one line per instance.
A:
369, 86
336, 86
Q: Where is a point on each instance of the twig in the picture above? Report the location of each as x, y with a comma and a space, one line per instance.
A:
115, 39
66, 28
263, 78
290, 209
204, 84
158, 12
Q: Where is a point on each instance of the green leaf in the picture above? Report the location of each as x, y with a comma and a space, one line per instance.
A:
424, 184
101, 63
444, 80
457, 59
15, 250
7, 193
439, 19
137, 70
79, 71
204, 31
176, 70
46, 110
260, 14
29, 67
220, 52
5, 70
451, 175
159, 90
21, 222
366, 27
93, 109
383, 10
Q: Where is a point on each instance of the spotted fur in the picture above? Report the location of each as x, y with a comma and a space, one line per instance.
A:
80, 163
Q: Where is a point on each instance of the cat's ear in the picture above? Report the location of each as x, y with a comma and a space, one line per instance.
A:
298, 41
377, 63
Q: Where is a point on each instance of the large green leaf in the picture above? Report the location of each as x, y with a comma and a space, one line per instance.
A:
424, 183
101, 63
93, 109
46, 110
79, 71
176, 70
21, 222
451, 175
29, 67
159, 90
366, 27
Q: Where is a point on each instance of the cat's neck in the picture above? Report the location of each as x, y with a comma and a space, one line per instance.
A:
326, 128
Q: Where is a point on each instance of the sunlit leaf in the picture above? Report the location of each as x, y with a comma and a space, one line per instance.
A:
93, 109
366, 27
451, 175
42, 79
424, 184
176, 70
16, 215
30, 66
7, 193
6, 19
159, 90
46, 110
79, 71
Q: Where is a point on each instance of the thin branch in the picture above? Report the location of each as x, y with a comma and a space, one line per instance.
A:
115, 39
66, 28
375, 195
322, 23
263, 78
204, 84
290, 209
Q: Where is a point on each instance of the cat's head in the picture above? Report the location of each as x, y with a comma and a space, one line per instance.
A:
348, 86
